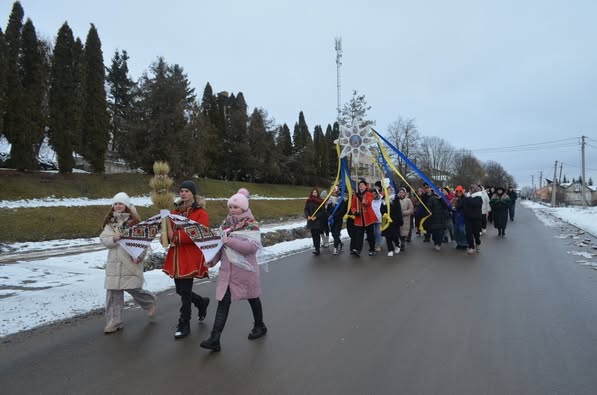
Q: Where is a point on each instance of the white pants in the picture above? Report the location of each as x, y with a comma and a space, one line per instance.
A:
115, 302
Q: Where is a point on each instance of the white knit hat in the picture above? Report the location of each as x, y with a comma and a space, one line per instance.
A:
123, 198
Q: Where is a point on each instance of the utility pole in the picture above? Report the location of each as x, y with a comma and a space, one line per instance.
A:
554, 185
540, 178
533, 185
584, 182
560, 178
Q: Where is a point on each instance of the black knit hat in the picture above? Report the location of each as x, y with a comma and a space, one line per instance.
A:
190, 185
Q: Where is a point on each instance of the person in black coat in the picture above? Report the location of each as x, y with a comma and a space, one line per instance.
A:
337, 217
513, 196
315, 220
472, 208
392, 232
436, 224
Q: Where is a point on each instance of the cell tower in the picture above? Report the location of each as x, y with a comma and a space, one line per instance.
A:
338, 47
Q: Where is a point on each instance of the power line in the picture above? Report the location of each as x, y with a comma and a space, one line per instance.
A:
569, 142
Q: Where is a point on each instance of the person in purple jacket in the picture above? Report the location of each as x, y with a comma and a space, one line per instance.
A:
239, 270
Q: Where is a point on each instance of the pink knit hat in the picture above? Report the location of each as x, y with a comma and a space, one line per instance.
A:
244, 191
239, 200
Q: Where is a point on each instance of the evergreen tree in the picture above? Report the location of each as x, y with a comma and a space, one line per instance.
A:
331, 134
320, 152
302, 163
63, 107
564, 180
211, 143
159, 124
590, 182
3, 67
239, 150
23, 152
121, 95
355, 111
95, 116
78, 105
14, 116
284, 141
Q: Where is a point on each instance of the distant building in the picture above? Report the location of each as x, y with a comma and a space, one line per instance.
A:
568, 194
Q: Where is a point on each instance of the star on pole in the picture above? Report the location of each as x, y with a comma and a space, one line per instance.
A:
355, 142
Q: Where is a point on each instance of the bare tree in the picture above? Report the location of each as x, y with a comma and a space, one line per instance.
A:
467, 169
436, 158
404, 135
497, 176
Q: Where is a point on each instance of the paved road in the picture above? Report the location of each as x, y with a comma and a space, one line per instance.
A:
519, 318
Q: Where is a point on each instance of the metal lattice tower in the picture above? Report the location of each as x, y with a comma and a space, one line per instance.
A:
338, 47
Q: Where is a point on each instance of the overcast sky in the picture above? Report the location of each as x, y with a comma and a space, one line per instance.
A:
480, 74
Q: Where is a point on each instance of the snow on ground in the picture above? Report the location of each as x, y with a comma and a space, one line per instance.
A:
583, 218
35, 293
140, 201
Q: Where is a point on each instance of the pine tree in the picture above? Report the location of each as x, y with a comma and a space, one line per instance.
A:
23, 152
159, 126
261, 146
121, 95
14, 116
590, 182
3, 66
95, 116
63, 107
331, 134
235, 164
356, 111
302, 164
210, 140
284, 141
320, 152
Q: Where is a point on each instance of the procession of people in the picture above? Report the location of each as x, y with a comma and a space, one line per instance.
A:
374, 214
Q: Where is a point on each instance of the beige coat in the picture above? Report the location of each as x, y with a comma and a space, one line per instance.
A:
407, 210
121, 271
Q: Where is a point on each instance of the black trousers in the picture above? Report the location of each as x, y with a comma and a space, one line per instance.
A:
184, 288
316, 236
472, 229
356, 242
336, 229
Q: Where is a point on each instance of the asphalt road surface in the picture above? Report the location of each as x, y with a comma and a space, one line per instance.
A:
520, 317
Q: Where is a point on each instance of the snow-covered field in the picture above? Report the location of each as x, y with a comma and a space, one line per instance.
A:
38, 292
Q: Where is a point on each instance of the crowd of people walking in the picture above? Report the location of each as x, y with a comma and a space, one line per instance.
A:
445, 216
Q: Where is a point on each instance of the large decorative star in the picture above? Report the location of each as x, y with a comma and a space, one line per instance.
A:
355, 142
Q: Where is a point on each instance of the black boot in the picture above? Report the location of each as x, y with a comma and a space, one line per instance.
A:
259, 328
213, 343
183, 329
201, 304
402, 243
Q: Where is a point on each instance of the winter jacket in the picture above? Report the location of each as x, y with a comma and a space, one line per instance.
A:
310, 206
395, 211
473, 206
185, 259
408, 210
243, 283
121, 271
486, 207
439, 213
362, 210
499, 207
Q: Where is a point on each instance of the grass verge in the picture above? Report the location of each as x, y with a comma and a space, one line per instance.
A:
50, 223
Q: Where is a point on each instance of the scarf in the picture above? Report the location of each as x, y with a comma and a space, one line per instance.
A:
243, 226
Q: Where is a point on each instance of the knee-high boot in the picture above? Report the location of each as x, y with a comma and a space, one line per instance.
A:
201, 304
213, 343
259, 328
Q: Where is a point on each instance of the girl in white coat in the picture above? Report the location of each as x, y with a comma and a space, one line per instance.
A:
122, 273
